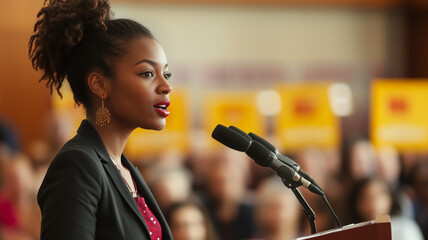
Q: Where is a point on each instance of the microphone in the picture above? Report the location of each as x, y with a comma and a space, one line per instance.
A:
231, 139
237, 140
281, 157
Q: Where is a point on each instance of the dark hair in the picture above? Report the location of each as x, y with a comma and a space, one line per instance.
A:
414, 171
72, 38
357, 191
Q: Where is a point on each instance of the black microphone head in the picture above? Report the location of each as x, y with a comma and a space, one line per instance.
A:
261, 140
260, 154
231, 138
241, 132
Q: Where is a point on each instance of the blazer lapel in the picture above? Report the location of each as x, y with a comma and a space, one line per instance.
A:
120, 185
148, 196
89, 133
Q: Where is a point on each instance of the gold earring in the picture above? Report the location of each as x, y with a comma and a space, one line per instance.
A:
102, 116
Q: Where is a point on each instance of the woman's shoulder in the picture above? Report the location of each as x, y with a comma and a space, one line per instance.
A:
77, 143
75, 174
76, 151
76, 163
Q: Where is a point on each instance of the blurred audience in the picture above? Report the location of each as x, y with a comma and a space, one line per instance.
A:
188, 220
277, 211
390, 170
170, 185
9, 142
419, 182
226, 198
362, 159
57, 127
326, 172
372, 197
358, 162
222, 194
388, 165
199, 157
19, 216
40, 155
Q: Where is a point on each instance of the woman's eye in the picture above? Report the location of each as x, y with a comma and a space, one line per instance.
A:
167, 75
147, 74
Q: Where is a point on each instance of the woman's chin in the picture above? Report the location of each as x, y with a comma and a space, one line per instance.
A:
156, 127
159, 128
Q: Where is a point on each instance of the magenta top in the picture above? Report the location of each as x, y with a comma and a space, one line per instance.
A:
150, 219
8, 217
152, 223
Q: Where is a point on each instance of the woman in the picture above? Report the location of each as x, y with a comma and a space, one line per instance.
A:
119, 73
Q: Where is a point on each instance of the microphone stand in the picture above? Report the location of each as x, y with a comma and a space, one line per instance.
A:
310, 214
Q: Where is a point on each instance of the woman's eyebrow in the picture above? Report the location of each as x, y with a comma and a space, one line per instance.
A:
151, 62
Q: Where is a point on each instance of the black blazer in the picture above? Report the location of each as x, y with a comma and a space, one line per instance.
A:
83, 196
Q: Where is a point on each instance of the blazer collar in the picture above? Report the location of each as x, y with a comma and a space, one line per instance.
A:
87, 131
145, 192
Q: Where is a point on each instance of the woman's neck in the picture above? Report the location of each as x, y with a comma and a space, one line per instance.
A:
114, 138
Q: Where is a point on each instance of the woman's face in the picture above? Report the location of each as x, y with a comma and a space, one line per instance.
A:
187, 223
139, 93
226, 184
374, 200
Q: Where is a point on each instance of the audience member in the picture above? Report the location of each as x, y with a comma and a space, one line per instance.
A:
419, 182
315, 162
199, 156
170, 185
188, 220
226, 199
18, 216
358, 162
277, 211
40, 155
8, 138
362, 160
371, 197
390, 169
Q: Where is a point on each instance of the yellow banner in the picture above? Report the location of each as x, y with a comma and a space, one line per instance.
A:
306, 119
233, 108
399, 115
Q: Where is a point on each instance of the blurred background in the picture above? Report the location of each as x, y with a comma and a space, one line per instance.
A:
341, 86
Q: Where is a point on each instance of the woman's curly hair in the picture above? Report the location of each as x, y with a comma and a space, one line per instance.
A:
72, 38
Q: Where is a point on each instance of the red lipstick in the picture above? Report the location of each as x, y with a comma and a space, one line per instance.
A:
161, 108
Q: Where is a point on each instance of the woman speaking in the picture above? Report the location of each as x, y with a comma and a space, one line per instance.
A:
119, 73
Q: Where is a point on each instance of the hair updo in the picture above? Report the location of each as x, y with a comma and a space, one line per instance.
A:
73, 38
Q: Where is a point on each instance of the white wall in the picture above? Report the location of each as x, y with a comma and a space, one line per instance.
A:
292, 37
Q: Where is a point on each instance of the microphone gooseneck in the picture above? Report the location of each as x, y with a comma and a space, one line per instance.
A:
285, 159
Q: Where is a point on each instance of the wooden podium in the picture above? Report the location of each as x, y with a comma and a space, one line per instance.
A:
379, 229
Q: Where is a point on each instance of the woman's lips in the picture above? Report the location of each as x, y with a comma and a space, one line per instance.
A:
161, 108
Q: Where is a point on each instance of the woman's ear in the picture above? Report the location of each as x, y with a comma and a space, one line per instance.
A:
98, 84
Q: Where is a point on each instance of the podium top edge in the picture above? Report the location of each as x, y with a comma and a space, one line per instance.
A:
383, 219
380, 219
